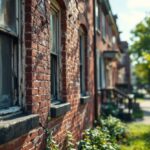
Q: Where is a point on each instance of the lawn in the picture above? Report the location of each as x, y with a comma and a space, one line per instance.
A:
139, 137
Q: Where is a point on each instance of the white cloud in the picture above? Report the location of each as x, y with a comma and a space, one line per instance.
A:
138, 4
130, 13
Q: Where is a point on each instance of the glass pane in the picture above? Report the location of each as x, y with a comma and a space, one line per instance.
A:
8, 14
82, 64
54, 77
5, 71
54, 31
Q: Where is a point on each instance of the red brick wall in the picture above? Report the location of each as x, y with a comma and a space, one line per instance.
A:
36, 48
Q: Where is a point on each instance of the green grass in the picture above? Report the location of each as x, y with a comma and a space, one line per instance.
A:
140, 100
139, 137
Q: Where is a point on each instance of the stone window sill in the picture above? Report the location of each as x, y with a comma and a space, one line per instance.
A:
59, 109
84, 99
10, 112
15, 127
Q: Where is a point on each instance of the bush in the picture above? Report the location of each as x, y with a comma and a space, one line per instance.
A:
96, 139
115, 128
107, 135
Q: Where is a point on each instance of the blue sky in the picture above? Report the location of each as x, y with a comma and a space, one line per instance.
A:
130, 12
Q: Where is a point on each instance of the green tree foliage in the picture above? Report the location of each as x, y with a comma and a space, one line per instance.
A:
140, 50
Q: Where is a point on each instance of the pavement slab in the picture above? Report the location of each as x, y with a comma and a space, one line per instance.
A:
145, 106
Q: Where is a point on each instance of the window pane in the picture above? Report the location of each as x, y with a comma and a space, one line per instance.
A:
54, 31
82, 64
98, 69
5, 71
103, 26
8, 14
54, 77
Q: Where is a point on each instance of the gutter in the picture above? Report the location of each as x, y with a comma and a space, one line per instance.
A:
95, 65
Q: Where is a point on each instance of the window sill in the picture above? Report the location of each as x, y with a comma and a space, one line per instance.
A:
10, 112
84, 99
16, 127
59, 109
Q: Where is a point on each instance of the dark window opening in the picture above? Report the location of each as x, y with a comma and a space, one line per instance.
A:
8, 53
55, 52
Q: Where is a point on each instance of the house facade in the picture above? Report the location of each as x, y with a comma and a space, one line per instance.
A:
124, 69
55, 57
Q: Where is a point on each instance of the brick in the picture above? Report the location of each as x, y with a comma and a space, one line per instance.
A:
28, 146
33, 135
38, 73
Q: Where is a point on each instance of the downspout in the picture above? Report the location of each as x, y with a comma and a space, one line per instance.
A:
95, 64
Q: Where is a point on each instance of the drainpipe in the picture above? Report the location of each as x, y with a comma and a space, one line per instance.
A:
95, 64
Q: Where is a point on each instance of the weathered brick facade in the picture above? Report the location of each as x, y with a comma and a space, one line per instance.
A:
36, 48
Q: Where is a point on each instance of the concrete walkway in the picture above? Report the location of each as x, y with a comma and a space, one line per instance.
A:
145, 105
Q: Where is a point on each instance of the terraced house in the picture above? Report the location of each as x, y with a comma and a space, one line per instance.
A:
56, 59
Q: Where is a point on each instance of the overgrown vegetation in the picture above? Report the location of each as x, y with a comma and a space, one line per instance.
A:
52, 145
139, 137
107, 135
50, 142
116, 129
70, 141
96, 139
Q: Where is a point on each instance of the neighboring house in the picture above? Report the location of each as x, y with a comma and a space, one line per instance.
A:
124, 70
107, 37
55, 57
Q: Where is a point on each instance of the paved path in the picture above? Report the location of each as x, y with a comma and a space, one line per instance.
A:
145, 105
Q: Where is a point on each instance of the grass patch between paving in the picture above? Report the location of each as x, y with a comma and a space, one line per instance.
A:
139, 137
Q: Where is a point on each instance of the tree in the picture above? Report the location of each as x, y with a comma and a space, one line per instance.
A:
140, 50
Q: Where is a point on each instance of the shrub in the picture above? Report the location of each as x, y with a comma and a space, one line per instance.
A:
115, 128
96, 139
70, 141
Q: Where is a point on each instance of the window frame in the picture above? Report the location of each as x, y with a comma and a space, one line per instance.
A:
98, 15
83, 62
16, 102
98, 69
56, 54
103, 25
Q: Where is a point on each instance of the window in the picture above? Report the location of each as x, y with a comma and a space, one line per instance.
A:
103, 25
110, 32
103, 73
98, 70
55, 51
97, 13
9, 38
82, 36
